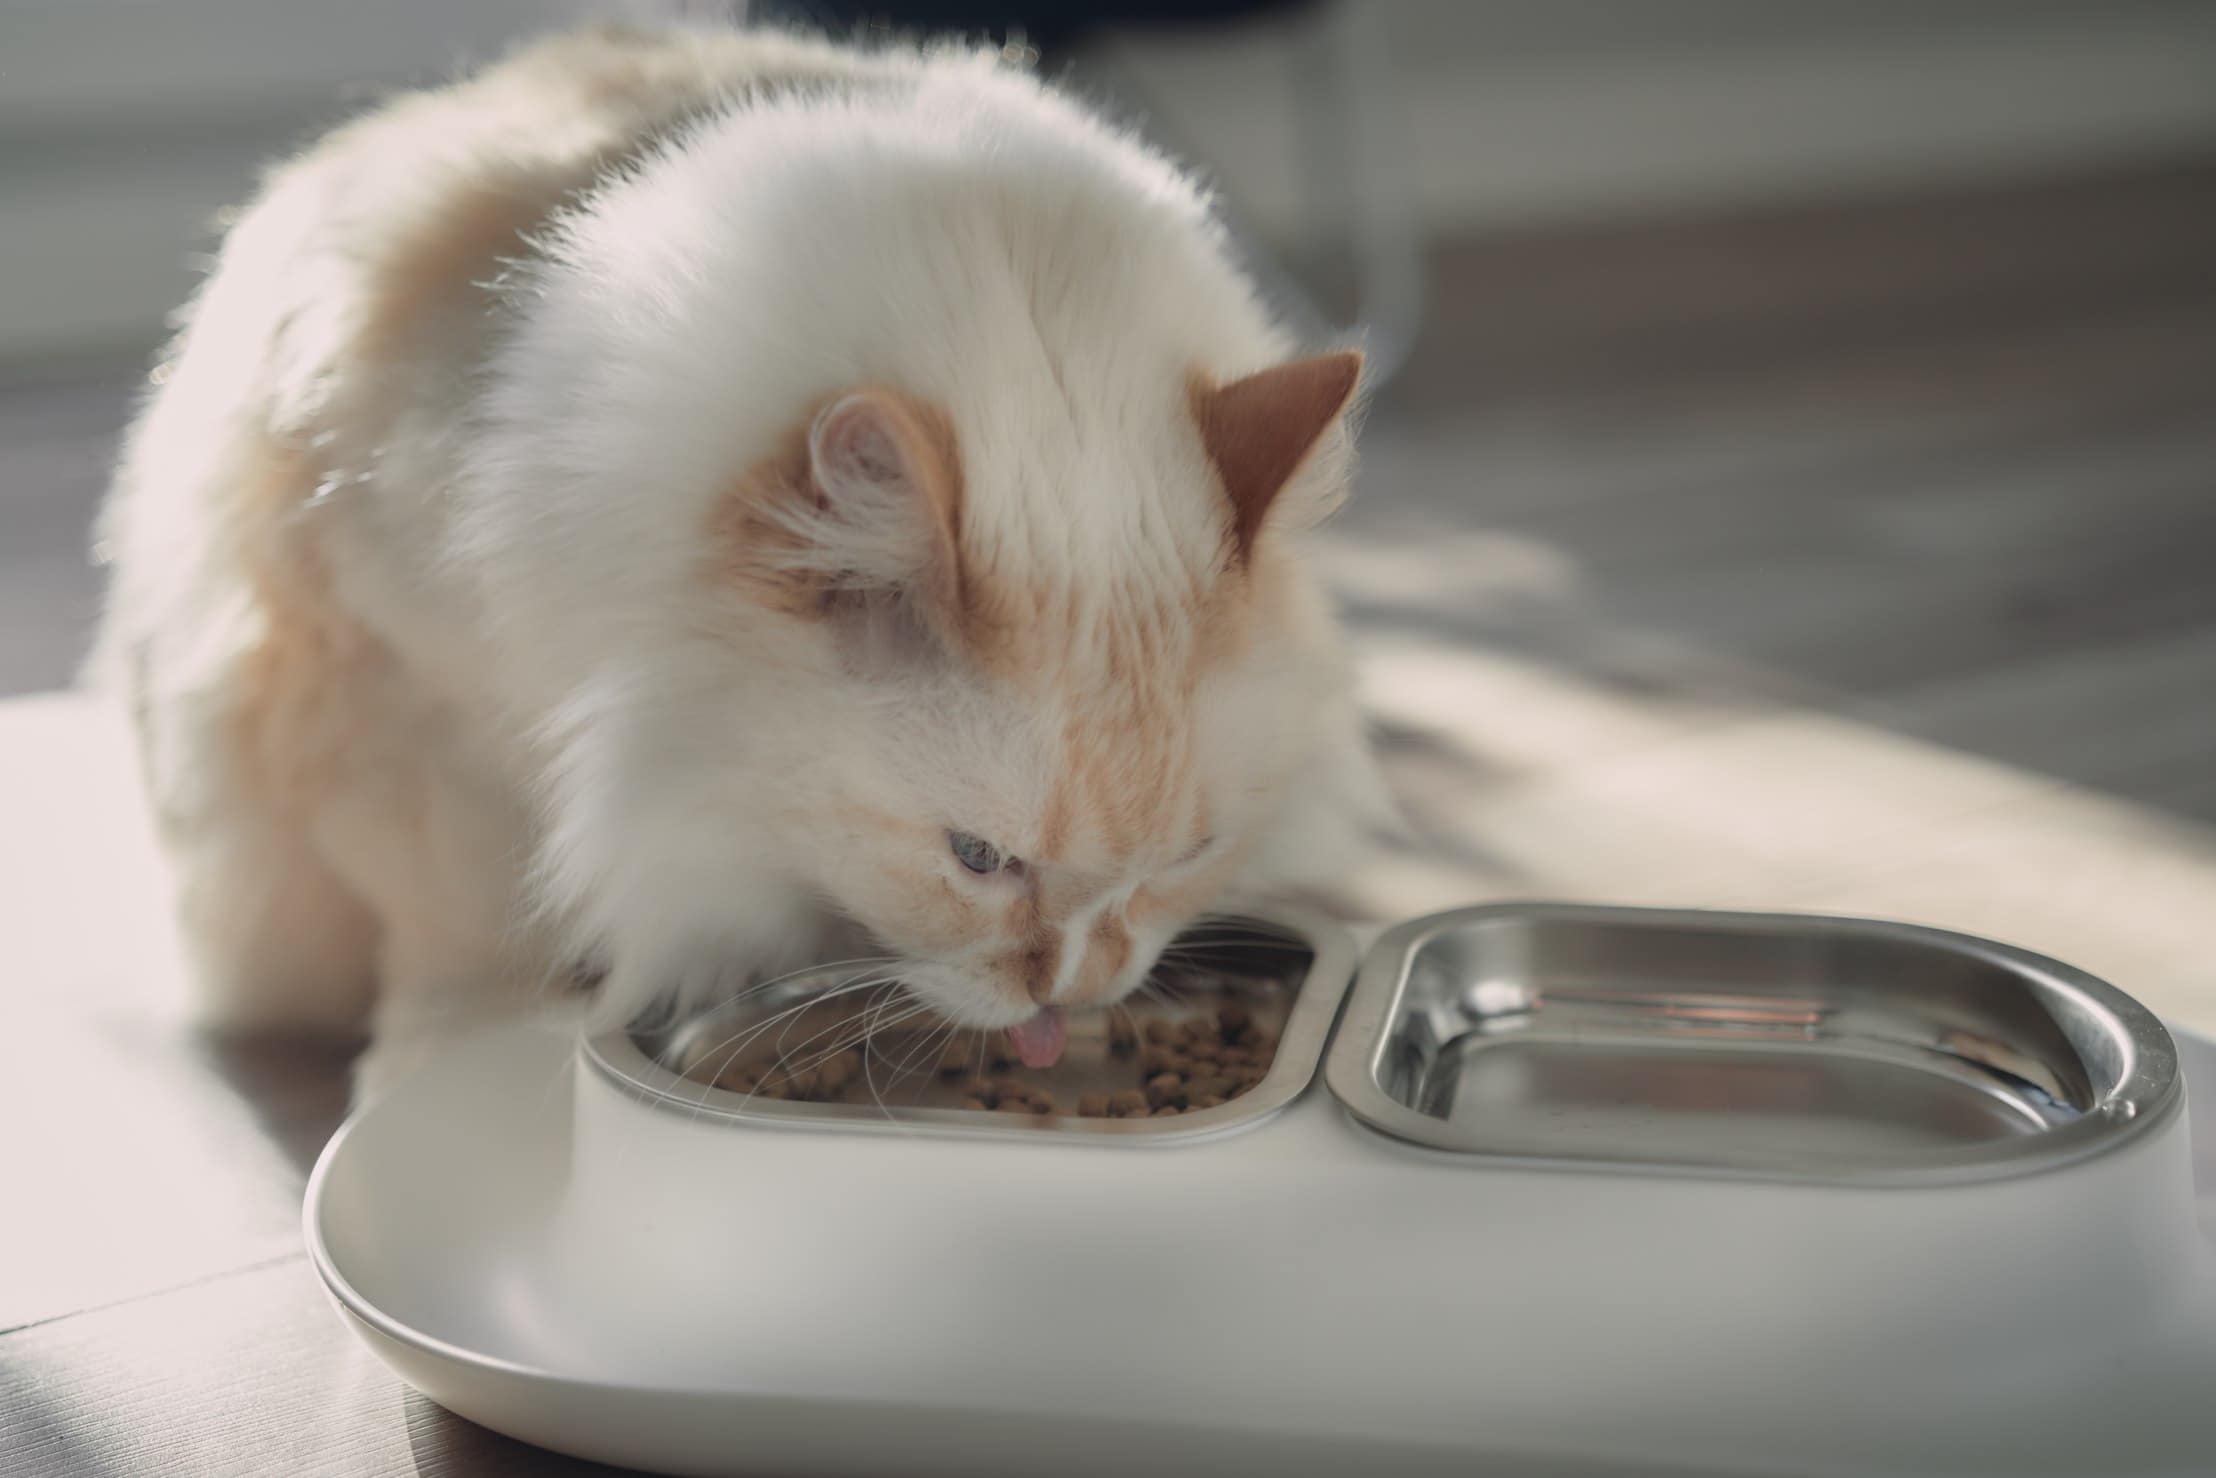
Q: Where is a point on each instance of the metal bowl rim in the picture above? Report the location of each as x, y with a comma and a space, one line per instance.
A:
2148, 1095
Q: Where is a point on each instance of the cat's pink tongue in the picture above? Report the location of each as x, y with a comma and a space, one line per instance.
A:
1039, 1041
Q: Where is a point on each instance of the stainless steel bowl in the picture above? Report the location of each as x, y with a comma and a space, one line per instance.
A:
1292, 969
1776, 1046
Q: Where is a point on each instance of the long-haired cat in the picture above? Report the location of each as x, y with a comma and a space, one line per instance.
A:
681, 502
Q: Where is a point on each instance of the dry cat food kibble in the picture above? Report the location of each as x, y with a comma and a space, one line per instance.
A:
1190, 1065
1172, 1066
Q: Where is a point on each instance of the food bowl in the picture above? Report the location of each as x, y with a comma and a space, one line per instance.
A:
1844, 1050
1290, 984
1522, 1232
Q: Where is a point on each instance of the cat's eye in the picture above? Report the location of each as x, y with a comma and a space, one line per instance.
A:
975, 853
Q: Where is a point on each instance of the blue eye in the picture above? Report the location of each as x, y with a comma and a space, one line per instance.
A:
975, 853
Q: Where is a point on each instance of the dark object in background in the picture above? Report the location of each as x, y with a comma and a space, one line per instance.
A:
1050, 27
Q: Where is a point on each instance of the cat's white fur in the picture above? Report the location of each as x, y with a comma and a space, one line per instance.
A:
434, 697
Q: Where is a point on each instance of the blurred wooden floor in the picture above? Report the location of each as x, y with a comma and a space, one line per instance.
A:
1856, 558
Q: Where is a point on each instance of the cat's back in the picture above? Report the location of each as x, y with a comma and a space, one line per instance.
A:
353, 303
385, 241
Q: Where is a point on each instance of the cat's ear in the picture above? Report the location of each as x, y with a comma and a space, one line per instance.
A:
856, 522
1259, 431
886, 483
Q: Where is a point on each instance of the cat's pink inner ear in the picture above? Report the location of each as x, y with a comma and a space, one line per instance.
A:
860, 501
879, 445
1260, 429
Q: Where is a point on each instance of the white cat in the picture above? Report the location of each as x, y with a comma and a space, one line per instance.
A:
677, 500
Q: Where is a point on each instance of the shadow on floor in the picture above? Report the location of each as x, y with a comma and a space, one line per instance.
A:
295, 1087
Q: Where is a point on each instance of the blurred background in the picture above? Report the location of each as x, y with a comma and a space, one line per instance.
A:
1850, 361
1790, 480
1792, 484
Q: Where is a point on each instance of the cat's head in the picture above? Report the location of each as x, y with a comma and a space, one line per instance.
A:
1045, 708
891, 510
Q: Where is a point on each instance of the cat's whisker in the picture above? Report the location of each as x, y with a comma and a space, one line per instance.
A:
739, 1039
908, 1058
856, 1035
953, 1037
720, 1056
866, 961
869, 1080
890, 1012
921, 1055
812, 999
873, 1011
784, 1054
861, 1035
728, 1050
934, 1059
